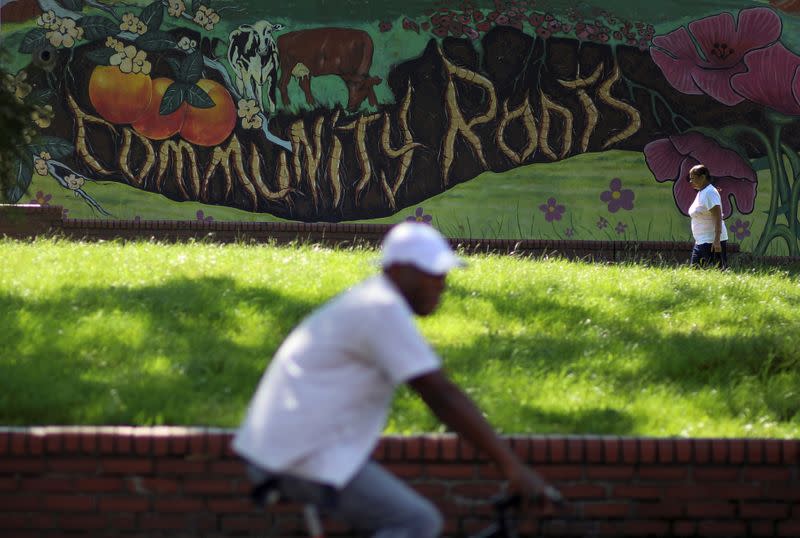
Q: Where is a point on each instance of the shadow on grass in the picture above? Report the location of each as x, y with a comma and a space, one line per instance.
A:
170, 353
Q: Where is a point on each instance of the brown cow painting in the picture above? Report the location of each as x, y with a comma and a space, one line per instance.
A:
345, 52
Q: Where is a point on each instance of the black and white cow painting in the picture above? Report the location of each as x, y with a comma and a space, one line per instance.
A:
253, 54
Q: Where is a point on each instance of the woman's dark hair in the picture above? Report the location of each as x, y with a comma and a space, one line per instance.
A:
700, 170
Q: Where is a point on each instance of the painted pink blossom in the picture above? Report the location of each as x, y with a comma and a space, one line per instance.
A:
722, 45
616, 197
740, 229
552, 211
772, 79
671, 158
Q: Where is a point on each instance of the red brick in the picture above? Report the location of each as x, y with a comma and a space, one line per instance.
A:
434, 470
719, 450
768, 474
575, 450
124, 504
20, 503
594, 450
127, 466
178, 505
394, 448
98, 485
683, 450
561, 472
737, 451
246, 524
474, 490
666, 450
648, 451
35, 444
172, 467
161, 522
716, 474
413, 448
149, 485
762, 528
47, 484
69, 503
611, 450
522, 447
789, 528
232, 506
73, 465
8, 483
405, 470
780, 492
490, 471
610, 472
684, 528
142, 444
217, 442
645, 528
105, 442
791, 451
583, 491
430, 447
5, 445
52, 442
179, 444
756, 510
636, 491
721, 528
88, 522
123, 441
379, 450
538, 450
557, 449
160, 445
711, 510
660, 510
755, 451
88, 441
209, 486
663, 473
229, 468
630, 450
21, 465
772, 451
606, 510
702, 450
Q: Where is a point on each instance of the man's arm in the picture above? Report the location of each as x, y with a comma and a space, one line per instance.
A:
454, 408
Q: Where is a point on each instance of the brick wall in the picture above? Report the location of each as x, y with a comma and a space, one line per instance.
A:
186, 482
29, 221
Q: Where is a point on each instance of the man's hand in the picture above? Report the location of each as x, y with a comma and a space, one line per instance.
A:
532, 487
716, 246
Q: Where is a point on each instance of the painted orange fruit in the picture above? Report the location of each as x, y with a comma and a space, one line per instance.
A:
152, 123
119, 97
210, 126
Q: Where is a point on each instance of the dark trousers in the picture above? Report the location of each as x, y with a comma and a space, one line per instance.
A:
702, 256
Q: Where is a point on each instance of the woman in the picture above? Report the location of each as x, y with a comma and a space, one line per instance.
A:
708, 229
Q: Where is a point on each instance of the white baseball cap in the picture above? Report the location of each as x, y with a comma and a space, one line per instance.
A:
421, 246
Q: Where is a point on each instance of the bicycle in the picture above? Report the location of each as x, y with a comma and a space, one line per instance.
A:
506, 511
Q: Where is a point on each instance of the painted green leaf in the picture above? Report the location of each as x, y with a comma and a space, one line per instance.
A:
152, 15
101, 56
58, 148
72, 5
175, 65
192, 68
156, 41
33, 40
98, 27
23, 173
173, 97
197, 97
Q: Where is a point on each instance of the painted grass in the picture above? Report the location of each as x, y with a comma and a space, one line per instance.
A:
144, 333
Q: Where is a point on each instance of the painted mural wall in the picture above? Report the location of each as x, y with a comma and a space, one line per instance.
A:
504, 119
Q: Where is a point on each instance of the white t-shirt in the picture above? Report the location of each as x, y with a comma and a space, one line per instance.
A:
703, 219
322, 404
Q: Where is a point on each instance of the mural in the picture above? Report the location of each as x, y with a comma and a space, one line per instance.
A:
510, 119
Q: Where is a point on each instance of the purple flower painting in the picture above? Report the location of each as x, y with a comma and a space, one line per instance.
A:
552, 210
616, 197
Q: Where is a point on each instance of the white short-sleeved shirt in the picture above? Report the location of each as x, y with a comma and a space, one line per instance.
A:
703, 219
322, 404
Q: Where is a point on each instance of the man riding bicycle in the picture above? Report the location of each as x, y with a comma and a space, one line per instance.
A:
322, 404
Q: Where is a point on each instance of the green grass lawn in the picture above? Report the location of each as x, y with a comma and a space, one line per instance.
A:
144, 333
